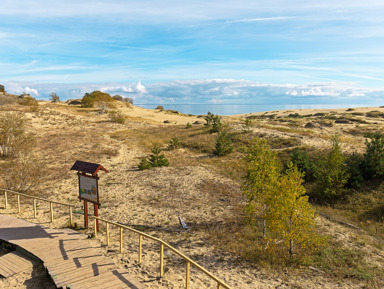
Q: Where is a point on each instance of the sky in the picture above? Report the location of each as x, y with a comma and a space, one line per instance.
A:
211, 51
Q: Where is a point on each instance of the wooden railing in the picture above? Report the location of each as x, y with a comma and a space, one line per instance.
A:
35, 199
189, 262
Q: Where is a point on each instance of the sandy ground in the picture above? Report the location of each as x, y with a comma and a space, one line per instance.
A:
157, 197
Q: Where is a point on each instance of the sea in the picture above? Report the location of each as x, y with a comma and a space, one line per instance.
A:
231, 109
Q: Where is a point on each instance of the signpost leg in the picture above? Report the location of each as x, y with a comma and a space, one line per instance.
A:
96, 214
85, 214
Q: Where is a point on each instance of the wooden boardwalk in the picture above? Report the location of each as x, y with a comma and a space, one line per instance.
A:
69, 258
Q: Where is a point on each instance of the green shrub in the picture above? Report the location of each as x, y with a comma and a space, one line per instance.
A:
144, 164
173, 144
118, 97
97, 98
223, 144
188, 125
28, 101
156, 159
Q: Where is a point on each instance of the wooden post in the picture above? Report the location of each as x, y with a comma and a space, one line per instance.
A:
85, 214
70, 217
95, 227
140, 246
96, 213
6, 199
187, 275
107, 234
121, 240
18, 203
51, 206
161, 260
34, 208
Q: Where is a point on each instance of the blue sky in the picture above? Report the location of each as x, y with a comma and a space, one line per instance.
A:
168, 51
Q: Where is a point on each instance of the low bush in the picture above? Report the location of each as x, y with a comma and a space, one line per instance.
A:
13, 136
116, 116
98, 99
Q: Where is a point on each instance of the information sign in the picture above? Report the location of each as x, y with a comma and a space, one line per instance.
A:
88, 189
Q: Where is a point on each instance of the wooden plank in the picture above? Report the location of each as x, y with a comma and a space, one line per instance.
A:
68, 256
13, 263
64, 268
80, 274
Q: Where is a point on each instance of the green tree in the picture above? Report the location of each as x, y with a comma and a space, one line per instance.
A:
355, 165
303, 162
216, 124
374, 155
223, 144
214, 121
331, 174
209, 118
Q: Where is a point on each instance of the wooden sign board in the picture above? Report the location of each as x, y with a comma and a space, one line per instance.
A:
89, 189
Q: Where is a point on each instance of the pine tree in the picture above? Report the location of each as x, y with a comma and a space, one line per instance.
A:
156, 159
223, 144
331, 173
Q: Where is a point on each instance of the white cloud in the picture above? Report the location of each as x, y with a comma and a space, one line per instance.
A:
259, 19
31, 91
313, 91
131, 88
224, 91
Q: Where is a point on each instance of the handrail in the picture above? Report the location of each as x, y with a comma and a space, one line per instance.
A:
34, 203
189, 261
37, 198
163, 243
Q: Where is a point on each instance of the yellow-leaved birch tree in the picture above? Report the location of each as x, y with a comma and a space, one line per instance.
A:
279, 200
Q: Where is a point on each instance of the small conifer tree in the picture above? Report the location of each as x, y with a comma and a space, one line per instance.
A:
223, 144
331, 174
144, 164
156, 159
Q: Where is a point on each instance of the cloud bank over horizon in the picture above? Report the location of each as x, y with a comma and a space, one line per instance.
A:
212, 91
310, 43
